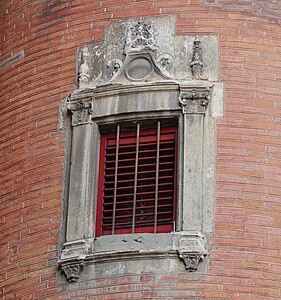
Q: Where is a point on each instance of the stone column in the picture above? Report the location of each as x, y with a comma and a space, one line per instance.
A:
194, 103
80, 191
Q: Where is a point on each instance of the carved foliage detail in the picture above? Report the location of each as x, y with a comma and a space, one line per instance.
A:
191, 261
81, 112
72, 272
140, 36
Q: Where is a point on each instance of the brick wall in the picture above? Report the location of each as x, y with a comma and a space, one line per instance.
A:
245, 249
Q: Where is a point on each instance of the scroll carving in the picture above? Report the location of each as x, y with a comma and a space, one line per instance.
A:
114, 66
194, 101
165, 61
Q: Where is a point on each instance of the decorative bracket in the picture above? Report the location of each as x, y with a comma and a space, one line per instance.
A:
72, 271
72, 259
81, 112
191, 261
192, 249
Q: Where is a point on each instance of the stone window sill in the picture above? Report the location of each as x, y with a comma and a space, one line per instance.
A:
190, 247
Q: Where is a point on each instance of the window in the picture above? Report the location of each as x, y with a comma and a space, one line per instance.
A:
140, 167
137, 180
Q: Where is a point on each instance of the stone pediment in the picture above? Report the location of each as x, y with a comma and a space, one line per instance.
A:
147, 50
139, 66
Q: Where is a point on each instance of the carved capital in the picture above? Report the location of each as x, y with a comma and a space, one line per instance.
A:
194, 101
72, 271
81, 112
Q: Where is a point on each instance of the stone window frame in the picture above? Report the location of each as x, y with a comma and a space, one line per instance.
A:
197, 103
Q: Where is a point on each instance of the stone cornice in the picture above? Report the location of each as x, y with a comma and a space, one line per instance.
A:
193, 96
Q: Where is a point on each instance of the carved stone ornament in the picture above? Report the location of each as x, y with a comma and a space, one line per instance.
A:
84, 69
140, 51
165, 61
114, 66
192, 250
140, 36
72, 272
81, 112
194, 101
191, 261
196, 63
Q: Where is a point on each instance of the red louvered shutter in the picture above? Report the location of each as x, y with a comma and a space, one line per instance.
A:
137, 191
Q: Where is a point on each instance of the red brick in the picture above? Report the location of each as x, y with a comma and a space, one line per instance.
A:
245, 252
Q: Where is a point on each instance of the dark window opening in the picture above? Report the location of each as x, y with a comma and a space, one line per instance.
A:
137, 180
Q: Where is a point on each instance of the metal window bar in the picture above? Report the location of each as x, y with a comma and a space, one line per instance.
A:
157, 176
115, 178
118, 208
136, 178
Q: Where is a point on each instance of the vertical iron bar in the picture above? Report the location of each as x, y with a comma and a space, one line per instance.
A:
136, 178
157, 176
115, 177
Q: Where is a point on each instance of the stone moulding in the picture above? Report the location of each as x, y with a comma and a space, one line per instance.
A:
194, 97
191, 248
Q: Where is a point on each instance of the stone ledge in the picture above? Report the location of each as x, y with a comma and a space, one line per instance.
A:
190, 247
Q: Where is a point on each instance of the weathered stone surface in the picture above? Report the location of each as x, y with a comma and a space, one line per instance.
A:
183, 56
170, 55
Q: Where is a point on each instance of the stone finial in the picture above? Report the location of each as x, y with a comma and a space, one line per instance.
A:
84, 69
196, 63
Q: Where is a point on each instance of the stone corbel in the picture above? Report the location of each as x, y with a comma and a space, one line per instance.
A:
192, 249
194, 100
81, 112
72, 259
72, 271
